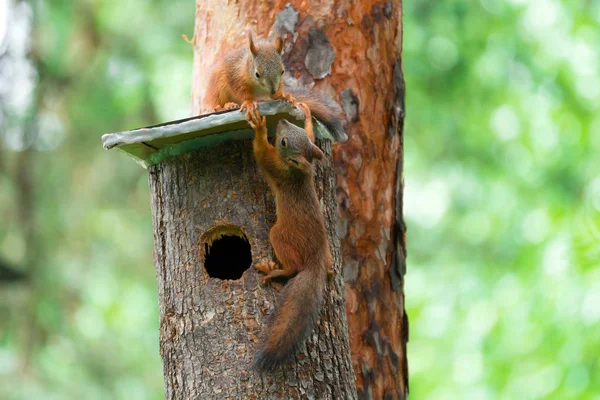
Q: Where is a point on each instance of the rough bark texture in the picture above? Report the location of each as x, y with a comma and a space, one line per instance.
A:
210, 327
351, 50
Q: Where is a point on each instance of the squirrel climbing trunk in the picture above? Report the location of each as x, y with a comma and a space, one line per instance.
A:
299, 237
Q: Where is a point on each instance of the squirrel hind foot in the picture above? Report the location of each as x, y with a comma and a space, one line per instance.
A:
278, 274
266, 267
272, 271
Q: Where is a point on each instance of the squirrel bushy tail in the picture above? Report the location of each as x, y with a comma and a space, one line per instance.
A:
323, 107
298, 311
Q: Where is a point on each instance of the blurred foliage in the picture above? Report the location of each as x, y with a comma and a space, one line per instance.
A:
502, 195
502, 198
86, 326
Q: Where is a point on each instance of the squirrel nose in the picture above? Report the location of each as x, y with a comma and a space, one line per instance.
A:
273, 91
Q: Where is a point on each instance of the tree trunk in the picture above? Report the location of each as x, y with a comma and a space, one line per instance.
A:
351, 50
212, 211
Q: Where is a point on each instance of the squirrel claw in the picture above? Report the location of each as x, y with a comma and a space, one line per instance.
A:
254, 119
230, 106
304, 107
270, 269
289, 98
226, 106
249, 105
266, 267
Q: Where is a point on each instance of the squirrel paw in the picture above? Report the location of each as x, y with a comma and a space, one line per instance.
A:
273, 272
304, 107
266, 267
230, 106
249, 105
255, 121
290, 99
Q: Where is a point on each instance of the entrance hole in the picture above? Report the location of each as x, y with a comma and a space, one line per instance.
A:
227, 252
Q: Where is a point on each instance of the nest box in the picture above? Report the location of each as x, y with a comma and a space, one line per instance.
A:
212, 212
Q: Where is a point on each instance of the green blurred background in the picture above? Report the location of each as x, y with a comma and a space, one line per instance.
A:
502, 196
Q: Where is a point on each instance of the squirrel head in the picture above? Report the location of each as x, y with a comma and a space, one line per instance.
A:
295, 147
266, 67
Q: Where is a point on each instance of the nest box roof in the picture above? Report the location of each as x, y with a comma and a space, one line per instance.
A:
152, 144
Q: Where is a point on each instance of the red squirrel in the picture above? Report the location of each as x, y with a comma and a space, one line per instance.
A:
299, 237
254, 72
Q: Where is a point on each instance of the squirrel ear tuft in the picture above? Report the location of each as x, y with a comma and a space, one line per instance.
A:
251, 44
278, 43
317, 153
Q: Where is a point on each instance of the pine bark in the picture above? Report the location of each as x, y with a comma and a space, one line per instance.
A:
352, 50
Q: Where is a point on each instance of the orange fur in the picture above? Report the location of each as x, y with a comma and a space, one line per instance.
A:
228, 80
299, 240
233, 80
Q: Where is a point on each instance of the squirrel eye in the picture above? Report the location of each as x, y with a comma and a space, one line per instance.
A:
282, 71
284, 142
257, 74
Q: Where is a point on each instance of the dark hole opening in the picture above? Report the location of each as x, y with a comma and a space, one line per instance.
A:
227, 257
